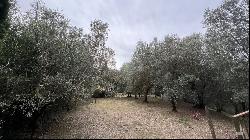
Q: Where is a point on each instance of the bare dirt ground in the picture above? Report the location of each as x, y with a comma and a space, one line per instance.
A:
123, 118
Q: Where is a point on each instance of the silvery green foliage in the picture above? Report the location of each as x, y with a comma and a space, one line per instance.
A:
126, 72
168, 70
211, 69
230, 21
102, 56
43, 59
227, 40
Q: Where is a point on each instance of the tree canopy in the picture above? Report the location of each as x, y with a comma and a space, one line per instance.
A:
209, 69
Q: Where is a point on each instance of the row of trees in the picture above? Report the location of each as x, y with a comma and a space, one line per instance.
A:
211, 69
44, 60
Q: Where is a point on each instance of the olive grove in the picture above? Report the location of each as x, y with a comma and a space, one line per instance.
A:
209, 69
45, 61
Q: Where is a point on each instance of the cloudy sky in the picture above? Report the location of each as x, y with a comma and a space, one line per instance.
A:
133, 20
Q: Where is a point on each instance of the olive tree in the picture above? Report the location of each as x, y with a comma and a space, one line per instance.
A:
227, 42
45, 61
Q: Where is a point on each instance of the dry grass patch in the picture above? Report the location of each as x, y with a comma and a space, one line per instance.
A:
131, 118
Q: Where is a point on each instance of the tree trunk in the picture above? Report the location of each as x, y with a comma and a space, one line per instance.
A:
146, 98
146, 95
34, 122
129, 94
136, 96
173, 106
236, 108
218, 107
243, 106
200, 101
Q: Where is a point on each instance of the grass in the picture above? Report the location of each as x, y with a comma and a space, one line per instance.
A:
131, 118
184, 120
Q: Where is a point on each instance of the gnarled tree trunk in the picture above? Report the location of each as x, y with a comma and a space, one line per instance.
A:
146, 98
146, 95
173, 106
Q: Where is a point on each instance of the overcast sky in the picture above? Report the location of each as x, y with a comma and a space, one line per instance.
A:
133, 20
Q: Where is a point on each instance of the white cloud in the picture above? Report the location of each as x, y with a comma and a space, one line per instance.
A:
133, 20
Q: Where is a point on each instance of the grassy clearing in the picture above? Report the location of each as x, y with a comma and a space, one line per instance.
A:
131, 118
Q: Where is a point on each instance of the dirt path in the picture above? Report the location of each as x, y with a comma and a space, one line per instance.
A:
130, 118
